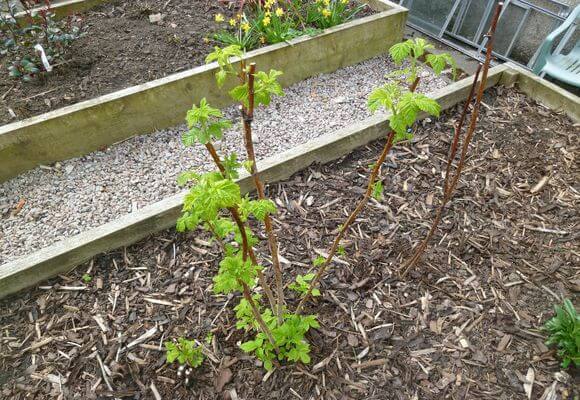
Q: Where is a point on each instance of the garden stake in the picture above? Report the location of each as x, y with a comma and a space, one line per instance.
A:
248, 116
356, 212
448, 193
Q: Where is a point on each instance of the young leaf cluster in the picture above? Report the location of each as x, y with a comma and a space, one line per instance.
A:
412, 50
564, 333
404, 106
303, 283
289, 337
185, 352
205, 123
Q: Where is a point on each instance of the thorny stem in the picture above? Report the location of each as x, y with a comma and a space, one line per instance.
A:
246, 248
351, 218
459, 128
248, 115
448, 194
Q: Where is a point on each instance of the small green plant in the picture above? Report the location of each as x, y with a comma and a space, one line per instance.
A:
302, 283
185, 352
275, 21
33, 45
87, 278
564, 333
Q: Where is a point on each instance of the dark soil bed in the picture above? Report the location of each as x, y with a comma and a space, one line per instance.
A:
466, 324
121, 48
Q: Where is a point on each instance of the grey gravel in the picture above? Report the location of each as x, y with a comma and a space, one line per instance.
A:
72, 196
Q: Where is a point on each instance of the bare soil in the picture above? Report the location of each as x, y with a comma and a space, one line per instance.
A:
121, 48
466, 324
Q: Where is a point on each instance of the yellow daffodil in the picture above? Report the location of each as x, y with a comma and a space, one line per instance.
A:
232, 22
219, 18
279, 12
245, 27
326, 2
262, 39
326, 12
344, 1
268, 14
266, 21
269, 3
238, 16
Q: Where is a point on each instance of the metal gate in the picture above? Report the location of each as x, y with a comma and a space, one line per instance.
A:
522, 28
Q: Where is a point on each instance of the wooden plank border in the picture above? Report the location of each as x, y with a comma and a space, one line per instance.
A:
87, 126
65, 255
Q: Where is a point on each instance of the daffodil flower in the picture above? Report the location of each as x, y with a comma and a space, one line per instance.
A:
232, 22
279, 12
245, 27
326, 2
266, 21
219, 18
326, 12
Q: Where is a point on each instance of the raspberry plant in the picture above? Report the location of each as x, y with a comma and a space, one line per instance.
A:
215, 203
404, 105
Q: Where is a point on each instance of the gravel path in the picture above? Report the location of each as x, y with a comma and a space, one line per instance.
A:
77, 194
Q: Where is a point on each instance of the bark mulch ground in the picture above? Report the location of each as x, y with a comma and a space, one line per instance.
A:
466, 324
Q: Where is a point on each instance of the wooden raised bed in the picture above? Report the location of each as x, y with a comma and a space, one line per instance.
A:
466, 324
84, 127
60, 257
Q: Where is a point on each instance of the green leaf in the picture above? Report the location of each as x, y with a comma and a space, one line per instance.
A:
186, 177
266, 85
385, 96
400, 51
318, 261
220, 77
258, 208
233, 271
378, 190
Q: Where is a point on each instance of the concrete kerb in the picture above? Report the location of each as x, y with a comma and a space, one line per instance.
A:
84, 127
63, 256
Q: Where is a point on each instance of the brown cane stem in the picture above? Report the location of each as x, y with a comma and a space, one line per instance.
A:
246, 248
448, 193
459, 127
451, 156
248, 115
351, 218
257, 315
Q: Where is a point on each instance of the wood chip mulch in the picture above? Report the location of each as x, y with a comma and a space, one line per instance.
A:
465, 324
